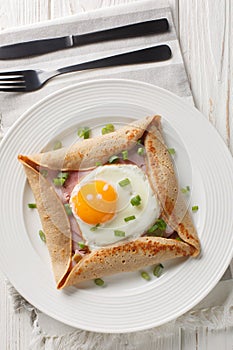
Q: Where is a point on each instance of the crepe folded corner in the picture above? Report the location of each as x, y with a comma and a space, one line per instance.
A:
126, 255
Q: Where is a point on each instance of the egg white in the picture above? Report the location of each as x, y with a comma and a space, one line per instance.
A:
146, 213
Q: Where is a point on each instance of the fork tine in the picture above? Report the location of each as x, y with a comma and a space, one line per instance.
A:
14, 84
12, 73
22, 89
11, 78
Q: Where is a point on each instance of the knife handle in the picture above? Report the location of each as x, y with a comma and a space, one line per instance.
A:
129, 31
151, 54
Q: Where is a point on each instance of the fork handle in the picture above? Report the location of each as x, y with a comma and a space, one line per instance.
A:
152, 54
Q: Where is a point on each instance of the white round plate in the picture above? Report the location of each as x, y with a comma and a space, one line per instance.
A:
127, 303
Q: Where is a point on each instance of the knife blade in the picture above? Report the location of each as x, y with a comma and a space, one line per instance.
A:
43, 46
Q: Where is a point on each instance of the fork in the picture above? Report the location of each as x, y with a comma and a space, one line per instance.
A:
31, 80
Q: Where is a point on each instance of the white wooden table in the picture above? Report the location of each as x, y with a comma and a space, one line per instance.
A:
205, 30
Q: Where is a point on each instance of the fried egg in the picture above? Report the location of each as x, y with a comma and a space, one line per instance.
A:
114, 202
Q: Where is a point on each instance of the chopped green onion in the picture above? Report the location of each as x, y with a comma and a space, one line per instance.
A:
139, 142
124, 182
172, 151
129, 218
59, 182
157, 233
57, 145
68, 209
81, 245
98, 164
105, 131
135, 201
158, 269
108, 128
119, 233
161, 224
140, 151
32, 205
62, 175
125, 155
44, 172
94, 228
42, 236
112, 159
84, 132
60, 179
185, 189
99, 282
195, 208
178, 238
153, 228
145, 275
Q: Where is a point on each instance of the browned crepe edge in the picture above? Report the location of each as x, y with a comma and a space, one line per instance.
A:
87, 153
164, 183
55, 223
125, 257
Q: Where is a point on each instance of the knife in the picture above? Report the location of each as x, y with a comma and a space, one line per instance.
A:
43, 46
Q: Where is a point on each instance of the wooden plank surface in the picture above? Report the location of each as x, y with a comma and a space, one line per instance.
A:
206, 40
206, 37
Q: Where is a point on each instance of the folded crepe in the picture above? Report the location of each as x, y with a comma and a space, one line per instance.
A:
72, 265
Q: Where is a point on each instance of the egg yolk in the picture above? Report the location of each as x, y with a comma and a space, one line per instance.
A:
95, 203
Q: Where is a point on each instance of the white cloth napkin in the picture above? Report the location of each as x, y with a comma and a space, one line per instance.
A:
169, 74
47, 333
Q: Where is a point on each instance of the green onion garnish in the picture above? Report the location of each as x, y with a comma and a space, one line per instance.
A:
112, 159
57, 145
68, 209
60, 179
158, 269
124, 182
153, 228
94, 228
172, 151
42, 236
31, 205
195, 208
44, 172
124, 155
135, 201
178, 238
107, 129
59, 182
161, 224
139, 142
81, 245
185, 189
140, 151
62, 175
145, 275
84, 132
119, 233
98, 164
129, 218
99, 282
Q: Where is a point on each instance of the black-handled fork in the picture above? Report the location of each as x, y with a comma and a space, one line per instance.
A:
31, 80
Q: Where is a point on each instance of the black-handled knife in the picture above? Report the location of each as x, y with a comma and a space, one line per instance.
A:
43, 46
